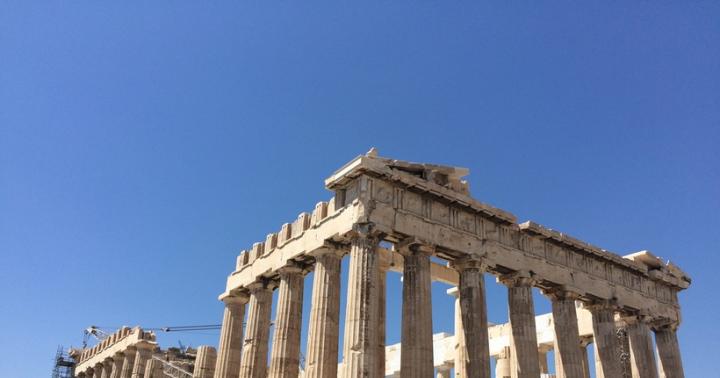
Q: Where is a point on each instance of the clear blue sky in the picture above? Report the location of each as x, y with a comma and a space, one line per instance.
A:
144, 144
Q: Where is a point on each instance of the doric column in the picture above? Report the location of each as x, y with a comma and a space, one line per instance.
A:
584, 342
361, 315
107, 367
90, 373
668, 351
569, 357
382, 315
80, 374
473, 311
605, 334
255, 349
205, 362
128, 362
416, 357
231, 337
154, 369
503, 368
117, 365
460, 347
98, 370
523, 338
285, 358
144, 352
642, 351
324, 332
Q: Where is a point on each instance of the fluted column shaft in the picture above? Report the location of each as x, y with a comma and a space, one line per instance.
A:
523, 337
361, 315
416, 357
153, 369
642, 354
460, 347
107, 368
569, 357
669, 352
98, 371
118, 359
503, 368
231, 337
607, 343
205, 362
143, 355
324, 332
382, 314
285, 358
90, 373
255, 349
128, 363
473, 311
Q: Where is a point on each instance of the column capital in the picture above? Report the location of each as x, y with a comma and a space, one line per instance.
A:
658, 325
330, 248
130, 350
364, 231
601, 305
236, 299
119, 356
413, 245
260, 285
469, 262
292, 267
636, 317
561, 292
518, 279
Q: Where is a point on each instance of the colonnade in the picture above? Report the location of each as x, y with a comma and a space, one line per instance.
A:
363, 349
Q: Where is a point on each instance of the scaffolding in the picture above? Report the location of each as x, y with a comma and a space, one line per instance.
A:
64, 364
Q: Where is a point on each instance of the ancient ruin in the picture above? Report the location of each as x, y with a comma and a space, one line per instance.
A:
419, 220
425, 211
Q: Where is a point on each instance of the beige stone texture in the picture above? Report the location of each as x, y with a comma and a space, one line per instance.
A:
205, 362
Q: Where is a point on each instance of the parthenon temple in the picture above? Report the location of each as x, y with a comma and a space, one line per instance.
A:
420, 220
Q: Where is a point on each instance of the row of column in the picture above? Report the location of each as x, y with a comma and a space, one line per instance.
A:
131, 363
363, 351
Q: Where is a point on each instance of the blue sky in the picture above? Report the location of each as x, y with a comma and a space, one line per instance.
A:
144, 144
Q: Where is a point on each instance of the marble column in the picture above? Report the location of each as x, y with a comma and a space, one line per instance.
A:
118, 359
144, 352
253, 363
80, 374
231, 337
416, 357
607, 343
382, 313
460, 347
568, 356
107, 367
205, 362
285, 357
154, 369
473, 311
361, 315
128, 362
642, 352
584, 342
668, 351
90, 373
98, 370
503, 364
324, 332
523, 337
